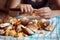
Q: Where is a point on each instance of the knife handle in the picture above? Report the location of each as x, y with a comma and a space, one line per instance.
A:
15, 9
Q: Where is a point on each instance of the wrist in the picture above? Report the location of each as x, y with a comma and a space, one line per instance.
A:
56, 12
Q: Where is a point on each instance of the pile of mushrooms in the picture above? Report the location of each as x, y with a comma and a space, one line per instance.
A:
22, 27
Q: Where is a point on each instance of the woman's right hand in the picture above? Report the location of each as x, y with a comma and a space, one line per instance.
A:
25, 8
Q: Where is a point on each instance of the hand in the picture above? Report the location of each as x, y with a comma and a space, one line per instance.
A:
25, 8
46, 12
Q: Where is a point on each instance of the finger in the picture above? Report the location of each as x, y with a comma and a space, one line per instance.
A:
25, 8
47, 16
41, 10
31, 9
45, 9
28, 7
22, 9
44, 15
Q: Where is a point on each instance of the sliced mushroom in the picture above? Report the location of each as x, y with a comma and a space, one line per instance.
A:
12, 33
44, 23
13, 20
49, 28
10, 27
35, 12
23, 27
7, 32
19, 29
20, 35
18, 22
33, 25
24, 21
4, 25
2, 31
34, 21
27, 31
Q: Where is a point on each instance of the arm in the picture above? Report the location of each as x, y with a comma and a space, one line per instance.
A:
57, 12
14, 3
23, 7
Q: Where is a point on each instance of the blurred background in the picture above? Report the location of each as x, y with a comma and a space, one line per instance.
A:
4, 4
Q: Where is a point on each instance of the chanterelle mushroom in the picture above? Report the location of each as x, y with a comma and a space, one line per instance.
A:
2, 31
12, 20
4, 25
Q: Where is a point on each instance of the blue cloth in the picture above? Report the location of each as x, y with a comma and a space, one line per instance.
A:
52, 35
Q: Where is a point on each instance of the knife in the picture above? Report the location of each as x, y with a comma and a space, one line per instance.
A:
29, 17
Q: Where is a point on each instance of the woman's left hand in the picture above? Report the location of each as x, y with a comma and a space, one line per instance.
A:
46, 12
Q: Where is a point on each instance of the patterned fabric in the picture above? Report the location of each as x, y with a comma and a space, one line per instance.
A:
52, 35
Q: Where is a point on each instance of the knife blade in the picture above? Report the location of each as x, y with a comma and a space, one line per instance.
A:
30, 17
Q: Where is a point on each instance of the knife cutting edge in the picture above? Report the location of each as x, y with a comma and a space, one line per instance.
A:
30, 17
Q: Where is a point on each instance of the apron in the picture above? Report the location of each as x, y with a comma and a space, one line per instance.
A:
36, 4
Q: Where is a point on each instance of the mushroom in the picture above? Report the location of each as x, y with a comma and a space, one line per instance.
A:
18, 28
49, 28
44, 23
12, 33
12, 20
10, 27
34, 21
18, 22
35, 12
33, 25
27, 31
2, 31
4, 25
20, 35
7, 32
23, 27
24, 21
